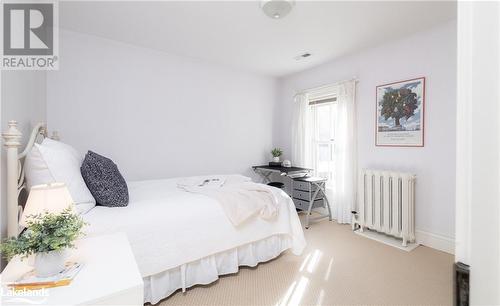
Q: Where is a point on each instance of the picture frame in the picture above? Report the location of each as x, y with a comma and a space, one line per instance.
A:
400, 113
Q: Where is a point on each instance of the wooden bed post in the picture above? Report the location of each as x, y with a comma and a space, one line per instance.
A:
12, 141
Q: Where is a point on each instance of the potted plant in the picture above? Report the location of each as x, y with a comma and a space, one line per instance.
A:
276, 152
48, 236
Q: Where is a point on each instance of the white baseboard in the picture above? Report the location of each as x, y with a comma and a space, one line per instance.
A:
397, 243
435, 241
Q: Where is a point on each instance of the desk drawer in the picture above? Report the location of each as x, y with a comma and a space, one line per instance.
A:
305, 195
304, 205
305, 186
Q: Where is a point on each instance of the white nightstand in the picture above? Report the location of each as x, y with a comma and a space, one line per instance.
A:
109, 276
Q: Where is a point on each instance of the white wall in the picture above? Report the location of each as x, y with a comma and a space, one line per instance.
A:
478, 148
158, 115
22, 99
430, 54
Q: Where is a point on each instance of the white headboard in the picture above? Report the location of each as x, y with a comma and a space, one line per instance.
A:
15, 170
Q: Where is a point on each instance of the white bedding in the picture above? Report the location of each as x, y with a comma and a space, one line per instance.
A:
240, 200
210, 268
168, 227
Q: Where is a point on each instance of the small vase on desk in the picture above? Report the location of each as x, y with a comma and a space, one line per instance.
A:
276, 159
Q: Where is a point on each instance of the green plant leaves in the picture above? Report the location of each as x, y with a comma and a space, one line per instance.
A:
45, 232
277, 152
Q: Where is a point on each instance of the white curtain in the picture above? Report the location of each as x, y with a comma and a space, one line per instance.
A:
345, 154
342, 196
301, 129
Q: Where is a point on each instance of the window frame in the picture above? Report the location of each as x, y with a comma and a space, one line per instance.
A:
316, 141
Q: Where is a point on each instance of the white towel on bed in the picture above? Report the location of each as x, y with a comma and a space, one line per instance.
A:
202, 181
240, 200
212, 180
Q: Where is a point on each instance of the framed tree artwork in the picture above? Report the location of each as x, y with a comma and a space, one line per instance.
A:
400, 114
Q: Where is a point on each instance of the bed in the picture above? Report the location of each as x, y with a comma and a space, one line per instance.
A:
179, 239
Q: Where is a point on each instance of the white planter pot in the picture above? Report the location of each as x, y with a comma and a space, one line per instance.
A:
276, 159
50, 263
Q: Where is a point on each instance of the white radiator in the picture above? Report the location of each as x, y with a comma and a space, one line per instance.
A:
386, 204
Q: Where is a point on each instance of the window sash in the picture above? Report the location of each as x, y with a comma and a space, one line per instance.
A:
317, 106
313, 102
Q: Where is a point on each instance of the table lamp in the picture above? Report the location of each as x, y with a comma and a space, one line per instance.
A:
51, 198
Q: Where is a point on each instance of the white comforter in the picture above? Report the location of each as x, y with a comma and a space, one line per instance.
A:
168, 227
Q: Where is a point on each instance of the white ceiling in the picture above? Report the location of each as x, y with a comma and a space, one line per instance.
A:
238, 34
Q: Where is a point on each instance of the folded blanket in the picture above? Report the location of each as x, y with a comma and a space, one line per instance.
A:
240, 200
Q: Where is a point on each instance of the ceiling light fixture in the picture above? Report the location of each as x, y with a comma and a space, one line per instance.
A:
276, 9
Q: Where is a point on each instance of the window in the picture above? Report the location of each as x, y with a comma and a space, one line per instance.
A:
323, 114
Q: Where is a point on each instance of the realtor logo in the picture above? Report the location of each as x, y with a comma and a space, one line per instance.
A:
29, 36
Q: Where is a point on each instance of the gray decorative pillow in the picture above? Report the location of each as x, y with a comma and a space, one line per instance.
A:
104, 180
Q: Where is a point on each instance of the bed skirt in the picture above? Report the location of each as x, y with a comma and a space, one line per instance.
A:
208, 269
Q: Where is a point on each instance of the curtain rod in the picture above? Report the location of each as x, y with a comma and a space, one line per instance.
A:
355, 79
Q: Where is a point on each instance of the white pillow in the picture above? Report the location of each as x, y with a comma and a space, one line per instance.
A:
36, 171
54, 161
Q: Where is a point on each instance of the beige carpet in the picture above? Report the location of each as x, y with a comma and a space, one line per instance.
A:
337, 268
